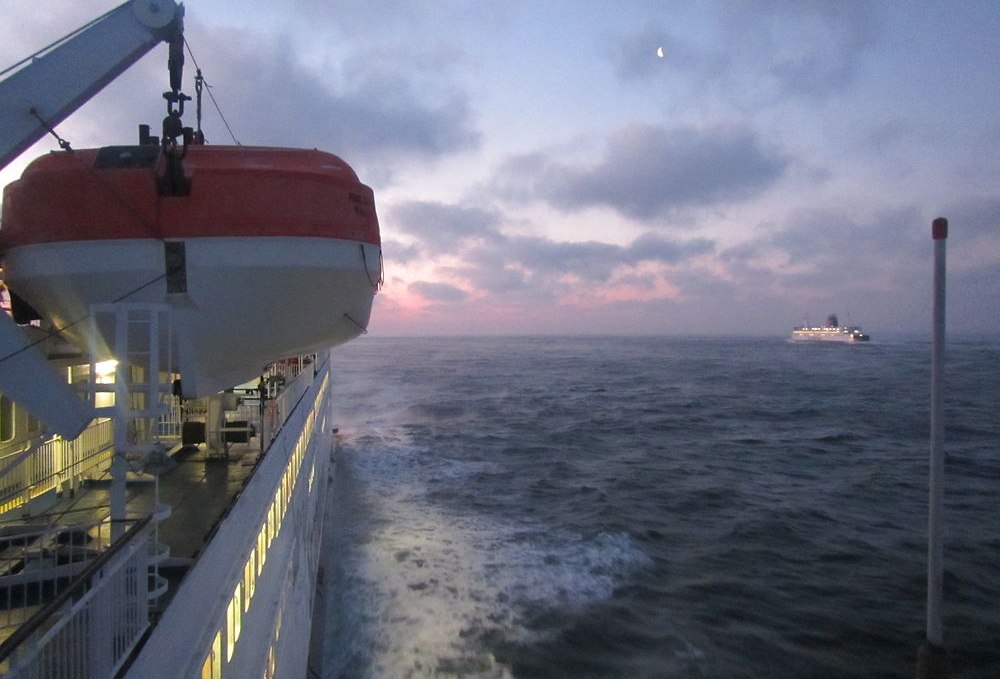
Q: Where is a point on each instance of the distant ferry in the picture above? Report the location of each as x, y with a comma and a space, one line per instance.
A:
831, 332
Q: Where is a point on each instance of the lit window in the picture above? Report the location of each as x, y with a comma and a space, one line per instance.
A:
234, 620
271, 521
271, 666
248, 580
261, 549
104, 371
212, 667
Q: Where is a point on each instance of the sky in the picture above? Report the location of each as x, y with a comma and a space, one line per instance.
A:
540, 168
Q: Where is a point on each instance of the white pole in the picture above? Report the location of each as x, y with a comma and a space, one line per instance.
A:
933, 659
935, 546
119, 465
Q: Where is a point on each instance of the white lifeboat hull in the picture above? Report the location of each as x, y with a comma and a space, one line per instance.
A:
249, 300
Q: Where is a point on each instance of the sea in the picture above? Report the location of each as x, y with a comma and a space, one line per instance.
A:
594, 507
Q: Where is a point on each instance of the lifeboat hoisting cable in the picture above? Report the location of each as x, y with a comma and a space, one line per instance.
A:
199, 84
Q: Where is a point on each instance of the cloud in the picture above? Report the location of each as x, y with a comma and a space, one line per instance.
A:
496, 273
443, 226
595, 262
400, 253
633, 56
807, 47
756, 48
537, 268
588, 261
974, 239
469, 248
371, 113
492, 261
974, 300
438, 292
26, 30
648, 172
374, 20
651, 247
975, 216
824, 235
274, 89
825, 252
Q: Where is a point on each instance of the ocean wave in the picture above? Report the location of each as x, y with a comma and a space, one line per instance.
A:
440, 588
650, 507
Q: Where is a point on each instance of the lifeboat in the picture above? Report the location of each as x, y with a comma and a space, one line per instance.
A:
258, 252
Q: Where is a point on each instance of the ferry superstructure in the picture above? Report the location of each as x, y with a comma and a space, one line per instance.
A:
831, 332
166, 429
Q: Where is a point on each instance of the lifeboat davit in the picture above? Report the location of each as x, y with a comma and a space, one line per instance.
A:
258, 252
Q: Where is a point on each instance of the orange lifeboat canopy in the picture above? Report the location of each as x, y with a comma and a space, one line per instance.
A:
116, 192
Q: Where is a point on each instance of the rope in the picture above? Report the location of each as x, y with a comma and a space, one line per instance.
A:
377, 284
364, 330
63, 144
210, 96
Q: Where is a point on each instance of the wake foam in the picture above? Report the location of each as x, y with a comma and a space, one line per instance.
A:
425, 591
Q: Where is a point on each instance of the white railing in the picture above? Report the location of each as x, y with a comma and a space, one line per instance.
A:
31, 472
169, 424
39, 560
278, 409
89, 629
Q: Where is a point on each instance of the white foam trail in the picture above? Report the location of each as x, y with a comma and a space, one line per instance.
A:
429, 585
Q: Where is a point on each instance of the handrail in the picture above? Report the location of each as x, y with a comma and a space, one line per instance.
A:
83, 449
35, 622
301, 383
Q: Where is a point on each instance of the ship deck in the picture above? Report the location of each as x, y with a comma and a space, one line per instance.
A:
199, 490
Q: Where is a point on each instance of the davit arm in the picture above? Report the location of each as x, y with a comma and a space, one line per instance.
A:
51, 86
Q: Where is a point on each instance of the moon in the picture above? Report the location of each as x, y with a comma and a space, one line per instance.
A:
659, 52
